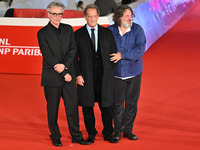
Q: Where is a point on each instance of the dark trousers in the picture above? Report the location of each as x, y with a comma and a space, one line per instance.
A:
128, 92
69, 94
106, 112
89, 119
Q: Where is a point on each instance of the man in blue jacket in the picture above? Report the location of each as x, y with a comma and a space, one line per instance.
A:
131, 41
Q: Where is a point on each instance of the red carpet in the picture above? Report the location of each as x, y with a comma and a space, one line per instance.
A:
169, 106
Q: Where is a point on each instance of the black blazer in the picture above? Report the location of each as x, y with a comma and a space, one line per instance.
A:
84, 65
55, 51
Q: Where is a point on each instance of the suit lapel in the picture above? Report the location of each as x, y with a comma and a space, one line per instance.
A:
100, 33
87, 39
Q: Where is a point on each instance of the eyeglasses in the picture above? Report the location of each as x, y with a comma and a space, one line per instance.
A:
55, 14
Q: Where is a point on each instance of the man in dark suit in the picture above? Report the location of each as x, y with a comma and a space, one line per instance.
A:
57, 44
106, 7
128, 1
95, 72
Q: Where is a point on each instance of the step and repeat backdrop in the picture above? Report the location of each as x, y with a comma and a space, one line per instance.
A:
20, 53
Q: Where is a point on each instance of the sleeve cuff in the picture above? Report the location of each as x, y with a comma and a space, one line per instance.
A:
64, 73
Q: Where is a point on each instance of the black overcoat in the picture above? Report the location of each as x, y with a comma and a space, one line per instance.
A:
84, 66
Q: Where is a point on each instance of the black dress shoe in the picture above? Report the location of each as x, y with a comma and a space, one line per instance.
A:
82, 142
57, 142
130, 136
117, 135
91, 139
111, 139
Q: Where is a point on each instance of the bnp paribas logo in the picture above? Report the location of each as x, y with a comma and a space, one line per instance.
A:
6, 48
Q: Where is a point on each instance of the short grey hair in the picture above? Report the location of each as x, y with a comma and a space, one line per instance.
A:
92, 6
56, 4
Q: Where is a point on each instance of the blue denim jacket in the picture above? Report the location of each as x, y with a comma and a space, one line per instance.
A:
132, 48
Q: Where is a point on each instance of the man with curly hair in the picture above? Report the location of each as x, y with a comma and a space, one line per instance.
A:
131, 41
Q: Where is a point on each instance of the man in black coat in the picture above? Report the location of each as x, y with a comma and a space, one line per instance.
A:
106, 6
128, 1
95, 72
58, 47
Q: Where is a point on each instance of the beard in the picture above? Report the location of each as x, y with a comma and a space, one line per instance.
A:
126, 25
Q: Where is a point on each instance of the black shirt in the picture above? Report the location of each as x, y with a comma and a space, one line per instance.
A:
57, 30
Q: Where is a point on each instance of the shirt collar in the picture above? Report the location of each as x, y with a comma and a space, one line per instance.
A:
128, 30
89, 28
55, 27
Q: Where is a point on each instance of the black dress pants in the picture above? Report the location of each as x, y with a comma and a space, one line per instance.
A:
125, 91
106, 112
69, 94
89, 119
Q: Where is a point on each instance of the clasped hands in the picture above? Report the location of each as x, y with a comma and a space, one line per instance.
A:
59, 68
